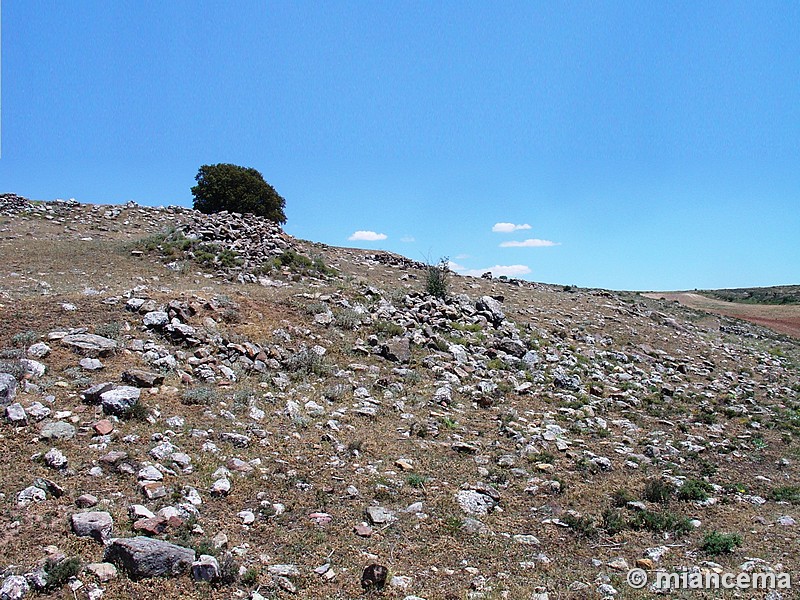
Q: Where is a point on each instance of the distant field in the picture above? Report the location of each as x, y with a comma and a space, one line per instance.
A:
780, 317
779, 294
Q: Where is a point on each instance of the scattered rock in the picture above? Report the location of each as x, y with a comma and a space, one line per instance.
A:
97, 525
142, 557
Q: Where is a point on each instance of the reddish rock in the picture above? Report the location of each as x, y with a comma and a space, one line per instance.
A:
104, 427
151, 526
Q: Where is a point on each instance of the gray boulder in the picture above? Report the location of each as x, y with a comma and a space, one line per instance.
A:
120, 400
156, 318
97, 525
142, 557
89, 344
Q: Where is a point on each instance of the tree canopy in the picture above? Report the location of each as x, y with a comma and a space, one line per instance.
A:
236, 189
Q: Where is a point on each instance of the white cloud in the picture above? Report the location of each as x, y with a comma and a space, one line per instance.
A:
508, 227
367, 236
408, 239
529, 243
497, 270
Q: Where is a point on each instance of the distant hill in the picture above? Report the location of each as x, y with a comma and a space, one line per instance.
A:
779, 294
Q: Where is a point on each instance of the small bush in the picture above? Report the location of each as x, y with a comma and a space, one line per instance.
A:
347, 319
228, 570
389, 328
694, 489
23, 339
614, 521
59, 572
436, 279
307, 362
658, 522
659, 491
583, 526
789, 493
621, 497
109, 330
453, 524
250, 577
416, 480
199, 395
715, 543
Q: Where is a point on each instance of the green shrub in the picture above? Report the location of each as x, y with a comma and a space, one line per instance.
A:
789, 493
621, 497
613, 521
199, 395
436, 278
694, 489
583, 526
59, 572
416, 480
658, 490
233, 188
715, 543
389, 328
658, 522
250, 577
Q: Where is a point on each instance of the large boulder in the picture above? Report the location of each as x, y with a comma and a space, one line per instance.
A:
142, 557
89, 344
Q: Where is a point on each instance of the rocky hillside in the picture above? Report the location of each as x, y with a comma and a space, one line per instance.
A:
211, 402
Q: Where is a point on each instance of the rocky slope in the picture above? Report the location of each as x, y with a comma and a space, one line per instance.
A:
209, 401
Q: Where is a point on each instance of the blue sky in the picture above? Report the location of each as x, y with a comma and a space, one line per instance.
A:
644, 145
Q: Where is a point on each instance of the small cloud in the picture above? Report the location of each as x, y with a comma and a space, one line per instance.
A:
529, 243
461, 256
508, 227
367, 236
407, 239
497, 270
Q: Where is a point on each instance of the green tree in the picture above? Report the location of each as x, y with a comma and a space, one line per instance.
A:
236, 189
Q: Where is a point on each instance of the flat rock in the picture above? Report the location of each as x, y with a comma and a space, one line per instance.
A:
102, 571
57, 430
475, 503
97, 525
91, 364
92, 395
380, 516
142, 557
142, 379
90, 344
39, 350
156, 319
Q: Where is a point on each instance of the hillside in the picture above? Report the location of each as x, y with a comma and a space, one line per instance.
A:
779, 294
287, 414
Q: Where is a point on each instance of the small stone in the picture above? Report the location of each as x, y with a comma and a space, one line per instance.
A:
154, 490
142, 379
405, 464
120, 400
151, 526
91, 364
619, 564
363, 530
39, 350
144, 557
645, 563
15, 414
86, 501
31, 494
103, 427
8, 388
156, 319
206, 568
38, 411
102, 571
374, 577
55, 459
221, 487
89, 344
380, 516
247, 517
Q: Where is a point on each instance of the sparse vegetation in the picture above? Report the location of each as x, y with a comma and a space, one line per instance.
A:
715, 543
658, 490
436, 278
199, 395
